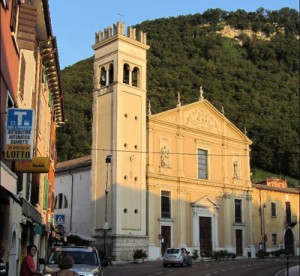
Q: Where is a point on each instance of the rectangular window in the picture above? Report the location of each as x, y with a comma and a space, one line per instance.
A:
238, 210
46, 194
22, 77
273, 209
40, 117
202, 164
165, 204
288, 212
274, 239
14, 12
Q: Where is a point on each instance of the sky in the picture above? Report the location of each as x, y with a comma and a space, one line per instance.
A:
74, 23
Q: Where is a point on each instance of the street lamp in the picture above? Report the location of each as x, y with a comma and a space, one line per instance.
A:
105, 227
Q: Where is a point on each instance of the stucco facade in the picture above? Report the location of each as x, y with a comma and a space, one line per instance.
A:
119, 141
276, 216
126, 199
72, 196
177, 178
202, 211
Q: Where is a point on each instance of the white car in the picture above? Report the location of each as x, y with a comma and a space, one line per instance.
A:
86, 260
177, 256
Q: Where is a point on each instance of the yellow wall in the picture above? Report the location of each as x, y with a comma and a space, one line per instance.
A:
181, 132
263, 195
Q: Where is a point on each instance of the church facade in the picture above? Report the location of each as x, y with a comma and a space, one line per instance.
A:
180, 178
198, 181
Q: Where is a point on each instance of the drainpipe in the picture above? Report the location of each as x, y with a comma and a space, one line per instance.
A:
260, 213
71, 211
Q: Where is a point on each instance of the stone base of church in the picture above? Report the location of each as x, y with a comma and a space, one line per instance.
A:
124, 246
121, 247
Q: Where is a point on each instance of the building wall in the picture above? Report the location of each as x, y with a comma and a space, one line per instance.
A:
174, 138
10, 209
75, 185
268, 225
23, 58
119, 130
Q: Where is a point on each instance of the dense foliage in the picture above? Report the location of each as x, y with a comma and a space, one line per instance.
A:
255, 80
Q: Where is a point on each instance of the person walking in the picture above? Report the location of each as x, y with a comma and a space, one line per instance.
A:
249, 252
64, 264
28, 265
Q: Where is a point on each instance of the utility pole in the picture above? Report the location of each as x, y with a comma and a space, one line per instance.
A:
105, 227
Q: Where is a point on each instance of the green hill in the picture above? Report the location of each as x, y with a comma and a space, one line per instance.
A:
252, 72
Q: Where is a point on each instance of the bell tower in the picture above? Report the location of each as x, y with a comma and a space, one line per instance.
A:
119, 141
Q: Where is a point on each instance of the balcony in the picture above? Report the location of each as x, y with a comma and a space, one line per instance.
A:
291, 221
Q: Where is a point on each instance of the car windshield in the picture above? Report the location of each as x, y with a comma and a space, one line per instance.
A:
173, 251
79, 257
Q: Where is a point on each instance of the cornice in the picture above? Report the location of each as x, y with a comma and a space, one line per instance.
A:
194, 184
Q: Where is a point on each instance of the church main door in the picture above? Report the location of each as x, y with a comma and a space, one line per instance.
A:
205, 234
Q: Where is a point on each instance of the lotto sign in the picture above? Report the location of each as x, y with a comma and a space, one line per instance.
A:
19, 134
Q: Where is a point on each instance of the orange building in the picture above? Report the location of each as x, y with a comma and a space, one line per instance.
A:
30, 80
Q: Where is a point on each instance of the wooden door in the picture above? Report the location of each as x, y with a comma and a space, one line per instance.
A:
166, 238
205, 234
239, 242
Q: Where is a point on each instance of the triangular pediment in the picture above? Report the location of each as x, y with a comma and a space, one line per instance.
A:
204, 117
205, 202
200, 116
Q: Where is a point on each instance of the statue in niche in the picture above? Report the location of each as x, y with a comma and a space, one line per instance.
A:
164, 157
235, 170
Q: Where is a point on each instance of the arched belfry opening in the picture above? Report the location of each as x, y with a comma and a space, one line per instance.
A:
126, 70
102, 77
106, 75
111, 74
135, 77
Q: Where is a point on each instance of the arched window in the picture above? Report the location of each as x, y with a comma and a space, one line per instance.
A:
135, 76
103, 77
111, 73
61, 202
126, 69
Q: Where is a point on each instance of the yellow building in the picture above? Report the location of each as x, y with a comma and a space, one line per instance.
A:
199, 190
276, 215
119, 141
179, 178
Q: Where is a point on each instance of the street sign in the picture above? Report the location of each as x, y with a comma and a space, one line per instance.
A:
36, 165
59, 219
19, 134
